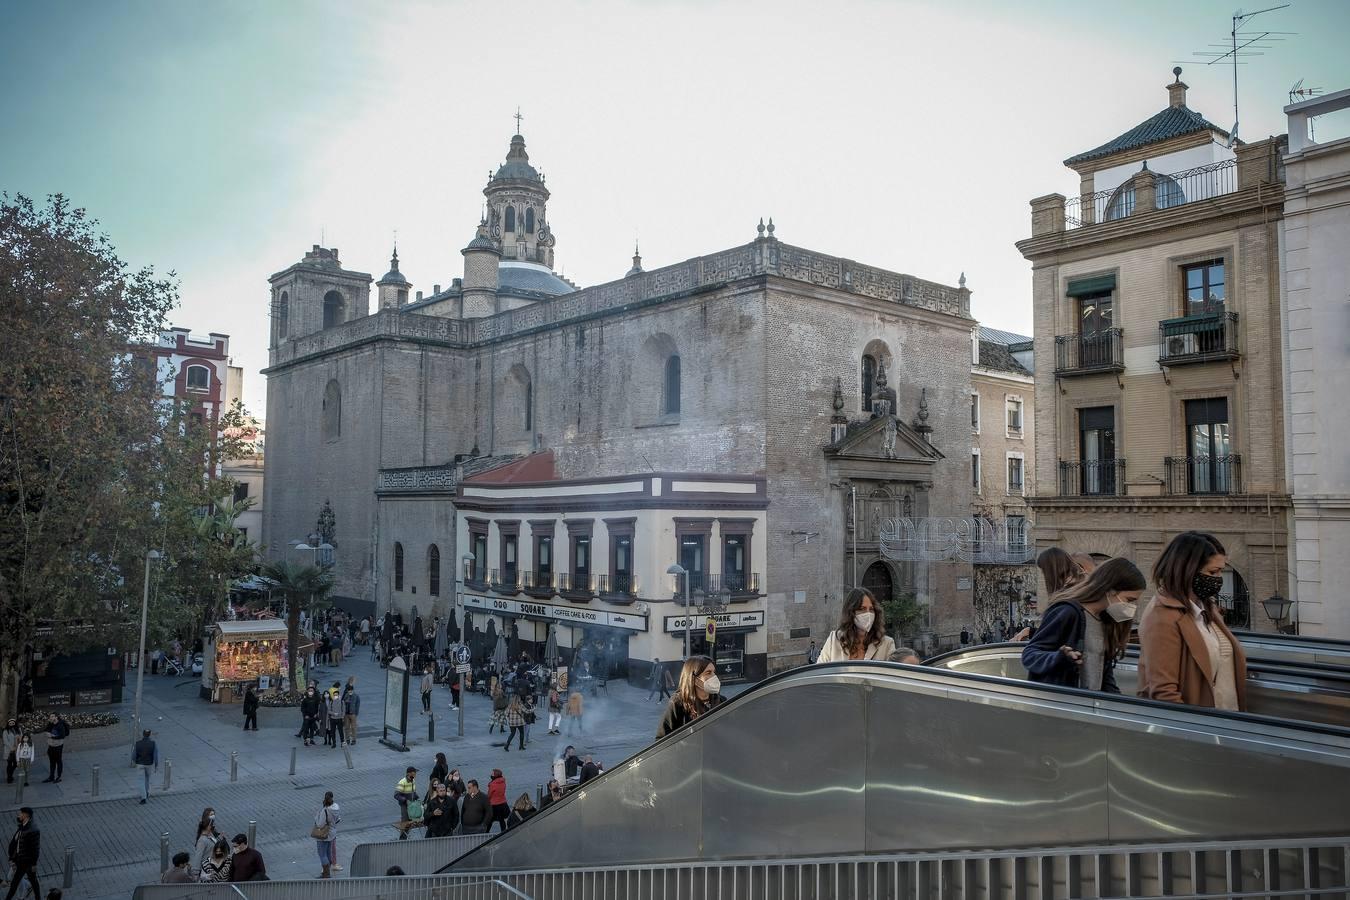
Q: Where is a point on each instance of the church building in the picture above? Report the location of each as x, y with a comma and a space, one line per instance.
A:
540, 455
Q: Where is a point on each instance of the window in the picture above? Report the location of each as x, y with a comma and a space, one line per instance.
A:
691, 548
402, 296
735, 558
1017, 533
1095, 314
241, 492
195, 417
975, 470
243, 535
672, 393
1209, 447
1121, 203
1015, 464
974, 412
869, 380
1097, 449
331, 411
1204, 285
543, 558
510, 219
283, 314
434, 570
398, 566
510, 541
334, 309
1166, 192
1014, 416
529, 220
478, 571
621, 554
581, 556
198, 378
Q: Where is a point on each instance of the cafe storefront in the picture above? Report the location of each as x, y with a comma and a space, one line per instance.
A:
732, 648
605, 634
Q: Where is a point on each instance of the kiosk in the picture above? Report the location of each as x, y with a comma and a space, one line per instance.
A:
245, 653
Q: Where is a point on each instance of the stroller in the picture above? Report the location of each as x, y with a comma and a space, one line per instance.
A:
170, 666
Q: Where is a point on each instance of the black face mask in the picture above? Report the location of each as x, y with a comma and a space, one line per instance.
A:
1206, 587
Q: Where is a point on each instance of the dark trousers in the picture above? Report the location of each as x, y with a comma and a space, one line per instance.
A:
336, 732
426, 701
500, 813
310, 726
512, 736
251, 720
20, 871
55, 764
10, 762
665, 691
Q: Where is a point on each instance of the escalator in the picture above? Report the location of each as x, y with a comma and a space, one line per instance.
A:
1296, 649
853, 758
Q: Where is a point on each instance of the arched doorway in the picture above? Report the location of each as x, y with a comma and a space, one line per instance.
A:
877, 579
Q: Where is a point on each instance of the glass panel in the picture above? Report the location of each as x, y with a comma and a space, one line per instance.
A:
509, 551
622, 563
545, 561
691, 555
733, 556
581, 557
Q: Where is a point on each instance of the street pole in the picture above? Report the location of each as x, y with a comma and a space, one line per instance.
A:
461, 704
150, 556
688, 616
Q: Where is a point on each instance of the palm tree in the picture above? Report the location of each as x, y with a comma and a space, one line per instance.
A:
299, 585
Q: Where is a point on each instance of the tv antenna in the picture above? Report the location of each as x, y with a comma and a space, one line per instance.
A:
1240, 46
1298, 93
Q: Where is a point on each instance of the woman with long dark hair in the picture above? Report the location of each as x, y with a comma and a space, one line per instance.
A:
1085, 629
207, 835
1058, 569
1186, 652
861, 632
699, 691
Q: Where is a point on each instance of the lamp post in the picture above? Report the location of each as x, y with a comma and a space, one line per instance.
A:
1277, 608
1014, 589
678, 570
459, 586
150, 556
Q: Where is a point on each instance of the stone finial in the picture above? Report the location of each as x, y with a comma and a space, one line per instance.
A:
760, 228
921, 420
1176, 91
961, 282
838, 403
637, 261
881, 374
771, 227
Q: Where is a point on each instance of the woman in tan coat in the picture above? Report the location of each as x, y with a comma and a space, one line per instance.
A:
1186, 652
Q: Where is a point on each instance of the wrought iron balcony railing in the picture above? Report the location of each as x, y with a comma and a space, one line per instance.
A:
621, 587
1198, 339
475, 575
538, 583
1204, 474
1090, 354
1092, 478
574, 584
1169, 190
738, 586
507, 581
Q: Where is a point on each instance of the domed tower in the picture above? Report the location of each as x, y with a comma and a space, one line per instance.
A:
478, 292
516, 204
393, 287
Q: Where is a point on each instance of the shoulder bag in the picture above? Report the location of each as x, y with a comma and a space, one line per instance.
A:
322, 832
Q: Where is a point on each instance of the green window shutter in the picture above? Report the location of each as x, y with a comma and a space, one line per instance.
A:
1079, 287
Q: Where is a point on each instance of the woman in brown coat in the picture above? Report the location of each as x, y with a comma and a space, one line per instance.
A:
1186, 652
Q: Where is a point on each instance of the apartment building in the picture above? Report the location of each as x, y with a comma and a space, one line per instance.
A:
1156, 294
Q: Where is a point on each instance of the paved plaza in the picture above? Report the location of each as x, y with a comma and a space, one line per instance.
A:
117, 841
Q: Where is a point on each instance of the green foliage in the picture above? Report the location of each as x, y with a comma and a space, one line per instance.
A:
903, 614
303, 586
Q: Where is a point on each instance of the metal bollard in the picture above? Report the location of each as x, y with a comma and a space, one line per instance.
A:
234, 765
164, 852
538, 795
168, 776
18, 791
252, 833
292, 760
68, 873
431, 729
94, 783
347, 752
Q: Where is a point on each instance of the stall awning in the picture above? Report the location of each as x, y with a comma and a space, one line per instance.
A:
257, 630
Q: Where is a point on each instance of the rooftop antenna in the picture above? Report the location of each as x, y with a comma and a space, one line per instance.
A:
1240, 45
1298, 93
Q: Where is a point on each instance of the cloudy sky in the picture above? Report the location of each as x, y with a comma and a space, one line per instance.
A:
220, 140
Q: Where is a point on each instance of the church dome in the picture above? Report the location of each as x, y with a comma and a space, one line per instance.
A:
530, 278
517, 166
394, 276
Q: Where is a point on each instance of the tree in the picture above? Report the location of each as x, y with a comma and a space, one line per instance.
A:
301, 585
903, 615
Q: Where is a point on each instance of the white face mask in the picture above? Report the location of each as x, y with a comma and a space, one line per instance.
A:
712, 684
863, 620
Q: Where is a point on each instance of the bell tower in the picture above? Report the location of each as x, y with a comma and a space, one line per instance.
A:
517, 200
393, 287
316, 293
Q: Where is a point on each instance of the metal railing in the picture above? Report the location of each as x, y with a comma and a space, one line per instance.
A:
618, 588
1085, 354
421, 857
507, 580
475, 575
572, 583
538, 582
1204, 474
1169, 190
1195, 339
737, 585
1305, 868
1092, 478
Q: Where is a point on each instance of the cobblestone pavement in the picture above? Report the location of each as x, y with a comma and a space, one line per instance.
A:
116, 840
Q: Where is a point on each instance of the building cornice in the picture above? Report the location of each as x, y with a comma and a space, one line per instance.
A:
1129, 505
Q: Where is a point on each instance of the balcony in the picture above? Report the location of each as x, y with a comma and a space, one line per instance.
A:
1165, 192
1090, 354
1198, 339
738, 587
538, 584
505, 581
1204, 475
575, 586
621, 587
1092, 478
475, 577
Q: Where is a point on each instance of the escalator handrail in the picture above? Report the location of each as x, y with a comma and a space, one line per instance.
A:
863, 667
1294, 640
1255, 662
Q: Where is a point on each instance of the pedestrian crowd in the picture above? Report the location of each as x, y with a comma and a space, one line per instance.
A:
215, 858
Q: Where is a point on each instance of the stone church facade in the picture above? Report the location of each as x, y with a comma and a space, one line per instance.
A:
760, 361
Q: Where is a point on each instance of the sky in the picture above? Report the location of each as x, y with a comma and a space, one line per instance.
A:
221, 140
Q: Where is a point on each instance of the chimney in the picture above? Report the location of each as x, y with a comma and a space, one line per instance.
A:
1176, 91
435, 288
419, 295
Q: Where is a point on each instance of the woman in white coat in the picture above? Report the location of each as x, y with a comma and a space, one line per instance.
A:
861, 633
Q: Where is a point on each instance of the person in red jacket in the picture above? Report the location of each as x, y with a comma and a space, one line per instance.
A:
497, 797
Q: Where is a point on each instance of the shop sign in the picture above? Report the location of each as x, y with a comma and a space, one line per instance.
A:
93, 698
569, 614
723, 620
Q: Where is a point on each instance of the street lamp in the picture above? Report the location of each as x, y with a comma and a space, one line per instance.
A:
678, 570
1277, 608
150, 556
459, 586
1014, 589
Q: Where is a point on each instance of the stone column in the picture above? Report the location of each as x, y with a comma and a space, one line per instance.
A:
1145, 192
1047, 214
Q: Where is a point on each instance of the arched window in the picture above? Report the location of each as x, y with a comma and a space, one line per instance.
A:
332, 411
434, 570
1166, 192
283, 314
510, 219
869, 380
529, 220
198, 378
1121, 203
671, 404
398, 566
334, 309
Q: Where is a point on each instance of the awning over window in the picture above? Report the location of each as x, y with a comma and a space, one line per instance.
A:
1079, 287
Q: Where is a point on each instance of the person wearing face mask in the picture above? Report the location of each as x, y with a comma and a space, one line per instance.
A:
861, 632
699, 691
1085, 629
24, 849
207, 837
1186, 652
310, 708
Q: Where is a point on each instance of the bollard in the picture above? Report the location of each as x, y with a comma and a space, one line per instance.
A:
164, 852
234, 765
168, 775
431, 729
252, 833
292, 760
18, 791
538, 795
347, 752
68, 873
94, 785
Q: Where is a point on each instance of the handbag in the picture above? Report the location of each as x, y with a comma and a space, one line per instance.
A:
322, 832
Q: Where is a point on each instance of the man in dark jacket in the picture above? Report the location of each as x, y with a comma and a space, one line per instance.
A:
1054, 655
310, 707
57, 732
250, 709
247, 863
476, 817
24, 849
145, 756
589, 770
441, 813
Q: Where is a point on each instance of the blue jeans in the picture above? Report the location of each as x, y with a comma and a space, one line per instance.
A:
145, 787
325, 851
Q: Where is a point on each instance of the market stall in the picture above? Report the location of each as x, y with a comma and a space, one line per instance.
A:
245, 653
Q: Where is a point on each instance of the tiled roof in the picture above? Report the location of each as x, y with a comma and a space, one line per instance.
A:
1003, 337
533, 468
1171, 122
996, 356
